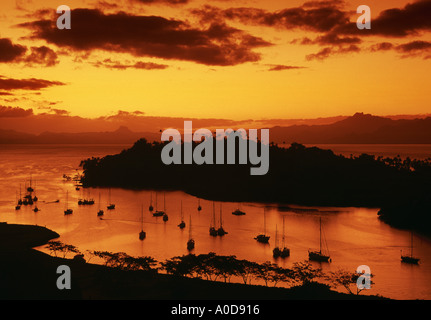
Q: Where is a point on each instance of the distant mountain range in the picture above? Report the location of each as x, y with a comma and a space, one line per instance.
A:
358, 129
121, 136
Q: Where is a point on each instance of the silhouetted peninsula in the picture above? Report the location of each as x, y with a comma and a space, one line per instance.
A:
297, 175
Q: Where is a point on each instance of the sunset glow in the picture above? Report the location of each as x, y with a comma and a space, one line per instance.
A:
224, 59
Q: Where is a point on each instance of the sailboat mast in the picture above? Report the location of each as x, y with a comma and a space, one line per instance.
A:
221, 218
320, 237
282, 239
411, 244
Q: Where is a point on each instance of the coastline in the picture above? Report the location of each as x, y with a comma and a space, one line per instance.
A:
29, 274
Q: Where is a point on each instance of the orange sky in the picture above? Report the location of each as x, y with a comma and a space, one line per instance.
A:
216, 59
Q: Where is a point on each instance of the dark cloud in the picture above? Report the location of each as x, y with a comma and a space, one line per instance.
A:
14, 112
10, 52
108, 63
395, 22
150, 36
169, 2
414, 46
280, 67
382, 46
329, 51
321, 18
26, 84
41, 56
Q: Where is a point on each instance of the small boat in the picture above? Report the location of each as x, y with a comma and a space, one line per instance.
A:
199, 205
160, 213
220, 230
36, 209
100, 212
276, 252
165, 217
142, 234
410, 259
182, 224
67, 211
151, 208
263, 238
17, 207
319, 255
238, 212
285, 252
190, 242
110, 206
213, 231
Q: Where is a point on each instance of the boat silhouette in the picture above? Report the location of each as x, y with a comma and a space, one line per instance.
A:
160, 213
220, 230
409, 258
319, 255
191, 241
67, 211
263, 238
110, 206
182, 224
142, 233
238, 212
213, 231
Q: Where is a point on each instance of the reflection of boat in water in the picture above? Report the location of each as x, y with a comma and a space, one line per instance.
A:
319, 255
263, 238
191, 241
409, 258
67, 211
220, 230
142, 234
182, 224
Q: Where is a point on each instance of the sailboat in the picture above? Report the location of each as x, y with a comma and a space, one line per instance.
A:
410, 259
100, 212
142, 234
18, 205
67, 211
238, 212
182, 225
213, 231
318, 255
191, 242
263, 238
276, 252
220, 230
151, 208
110, 206
160, 213
285, 252
199, 205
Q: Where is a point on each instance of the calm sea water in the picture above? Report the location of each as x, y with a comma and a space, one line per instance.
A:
354, 235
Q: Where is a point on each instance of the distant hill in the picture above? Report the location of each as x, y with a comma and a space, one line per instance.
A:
120, 136
358, 129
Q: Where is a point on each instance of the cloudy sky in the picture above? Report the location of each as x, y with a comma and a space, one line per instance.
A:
218, 59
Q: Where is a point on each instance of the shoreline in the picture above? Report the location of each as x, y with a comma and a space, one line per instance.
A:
30, 274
